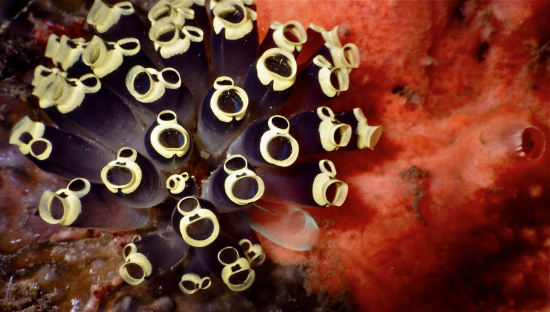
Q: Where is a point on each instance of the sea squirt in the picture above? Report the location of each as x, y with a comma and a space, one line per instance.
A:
143, 108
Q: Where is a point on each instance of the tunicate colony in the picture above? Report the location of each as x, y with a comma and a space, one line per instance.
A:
136, 108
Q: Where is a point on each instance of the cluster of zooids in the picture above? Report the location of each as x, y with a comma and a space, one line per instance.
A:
138, 106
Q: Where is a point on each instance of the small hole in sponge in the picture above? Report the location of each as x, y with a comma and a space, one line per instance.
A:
398, 90
482, 50
532, 142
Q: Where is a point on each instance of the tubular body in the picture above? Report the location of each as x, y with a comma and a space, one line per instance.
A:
318, 131
167, 142
161, 90
267, 142
269, 82
89, 205
289, 36
134, 179
239, 231
182, 48
346, 56
363, 135
177, 11
196, 221
327, 44
234, 39
310, 184
233, 185
148, 256
221, 116
181, 185
118, 21
60, 152
48, 83
66, 54
225, 259
184, 12
195, 276
316, 84
111, 62
84, 101
316, 37
343, 56
200, 18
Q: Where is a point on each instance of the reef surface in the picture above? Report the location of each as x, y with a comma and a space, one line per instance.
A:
448, 213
